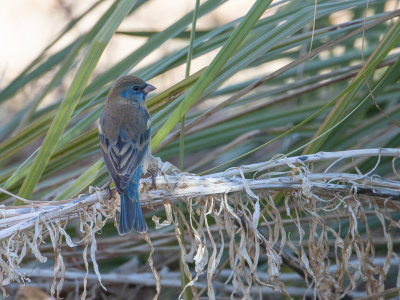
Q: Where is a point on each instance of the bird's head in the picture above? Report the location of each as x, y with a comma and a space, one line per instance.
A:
130, 89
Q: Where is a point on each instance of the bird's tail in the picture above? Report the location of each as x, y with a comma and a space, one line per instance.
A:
131, 215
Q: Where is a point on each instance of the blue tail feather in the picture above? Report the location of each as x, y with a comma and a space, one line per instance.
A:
131, 216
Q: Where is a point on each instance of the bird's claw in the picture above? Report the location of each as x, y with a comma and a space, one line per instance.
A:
107, 187
154, 175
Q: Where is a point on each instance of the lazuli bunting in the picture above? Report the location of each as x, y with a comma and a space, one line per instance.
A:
125, 135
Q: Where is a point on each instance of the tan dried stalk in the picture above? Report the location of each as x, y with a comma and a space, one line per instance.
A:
230, 212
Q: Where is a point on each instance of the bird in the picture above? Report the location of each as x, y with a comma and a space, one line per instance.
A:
125, 138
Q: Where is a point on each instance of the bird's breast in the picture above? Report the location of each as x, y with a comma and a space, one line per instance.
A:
128, 120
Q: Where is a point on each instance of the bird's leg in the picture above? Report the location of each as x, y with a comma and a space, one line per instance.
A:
154, 175
108, 188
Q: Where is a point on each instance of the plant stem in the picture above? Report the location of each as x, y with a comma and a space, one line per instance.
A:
184, 279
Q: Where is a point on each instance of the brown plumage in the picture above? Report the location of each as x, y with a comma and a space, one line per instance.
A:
125, 132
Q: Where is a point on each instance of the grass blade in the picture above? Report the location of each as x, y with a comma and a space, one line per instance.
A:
73, 95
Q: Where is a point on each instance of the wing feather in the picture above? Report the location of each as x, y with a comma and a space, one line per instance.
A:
123, 156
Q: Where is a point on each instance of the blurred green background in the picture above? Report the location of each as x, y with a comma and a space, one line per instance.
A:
330, 68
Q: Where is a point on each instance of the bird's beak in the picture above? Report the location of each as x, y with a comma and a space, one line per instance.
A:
148, 88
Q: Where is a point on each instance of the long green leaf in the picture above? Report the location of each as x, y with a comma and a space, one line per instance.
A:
389, 41
26, 75
216, 65
153, 43
72, 97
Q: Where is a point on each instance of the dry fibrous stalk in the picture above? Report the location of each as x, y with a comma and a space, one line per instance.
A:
311, 214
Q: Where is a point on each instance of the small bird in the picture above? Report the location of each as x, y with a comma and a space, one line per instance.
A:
125, 139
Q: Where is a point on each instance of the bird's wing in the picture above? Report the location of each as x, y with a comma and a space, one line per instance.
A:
123, 155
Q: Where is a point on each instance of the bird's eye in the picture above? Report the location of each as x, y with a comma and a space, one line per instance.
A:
135, 88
